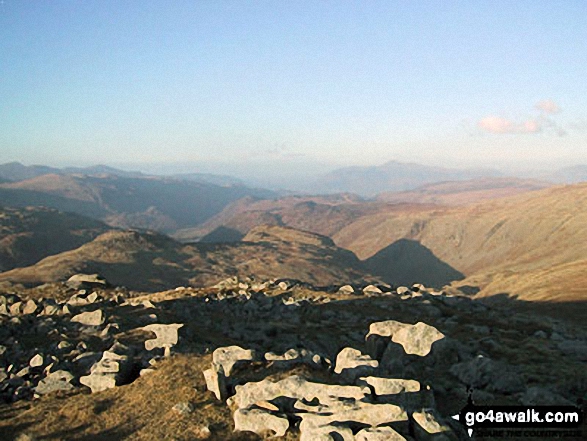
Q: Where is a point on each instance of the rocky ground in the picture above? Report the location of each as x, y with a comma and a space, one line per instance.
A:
247, 360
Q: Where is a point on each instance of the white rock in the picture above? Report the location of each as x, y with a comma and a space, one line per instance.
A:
228, 356
371, 289
352, 363
36, 361
417, 339
58, 380
92, 318
294, 387
166, 335
260, 421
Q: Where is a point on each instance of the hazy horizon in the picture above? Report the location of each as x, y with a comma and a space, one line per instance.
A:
216, 87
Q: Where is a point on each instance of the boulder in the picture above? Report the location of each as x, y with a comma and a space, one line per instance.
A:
229, 356
166, 336
371, 289
417, 339
351, 363
30, 307
36, 361
346, 289
216, 382
79, 281
58, 380
90, 318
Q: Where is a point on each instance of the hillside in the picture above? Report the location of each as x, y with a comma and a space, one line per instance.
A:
464, 192
150, 261
532, 236
146, 202
319, 214
27, 235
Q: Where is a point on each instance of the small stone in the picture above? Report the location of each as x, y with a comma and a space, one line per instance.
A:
30, 307
36, 361
16, 308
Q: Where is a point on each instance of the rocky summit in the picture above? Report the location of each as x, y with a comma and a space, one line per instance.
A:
250, 359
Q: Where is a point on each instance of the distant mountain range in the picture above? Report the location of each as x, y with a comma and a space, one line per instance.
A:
393, 176
121, 199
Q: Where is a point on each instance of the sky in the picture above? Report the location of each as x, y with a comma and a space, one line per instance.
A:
219, 84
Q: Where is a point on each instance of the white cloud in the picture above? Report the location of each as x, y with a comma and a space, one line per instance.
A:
541, 123
499, 125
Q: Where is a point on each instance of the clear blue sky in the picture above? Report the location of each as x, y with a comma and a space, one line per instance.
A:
341, 82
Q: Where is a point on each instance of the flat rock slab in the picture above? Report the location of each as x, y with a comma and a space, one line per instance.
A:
260, 421
294, 387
